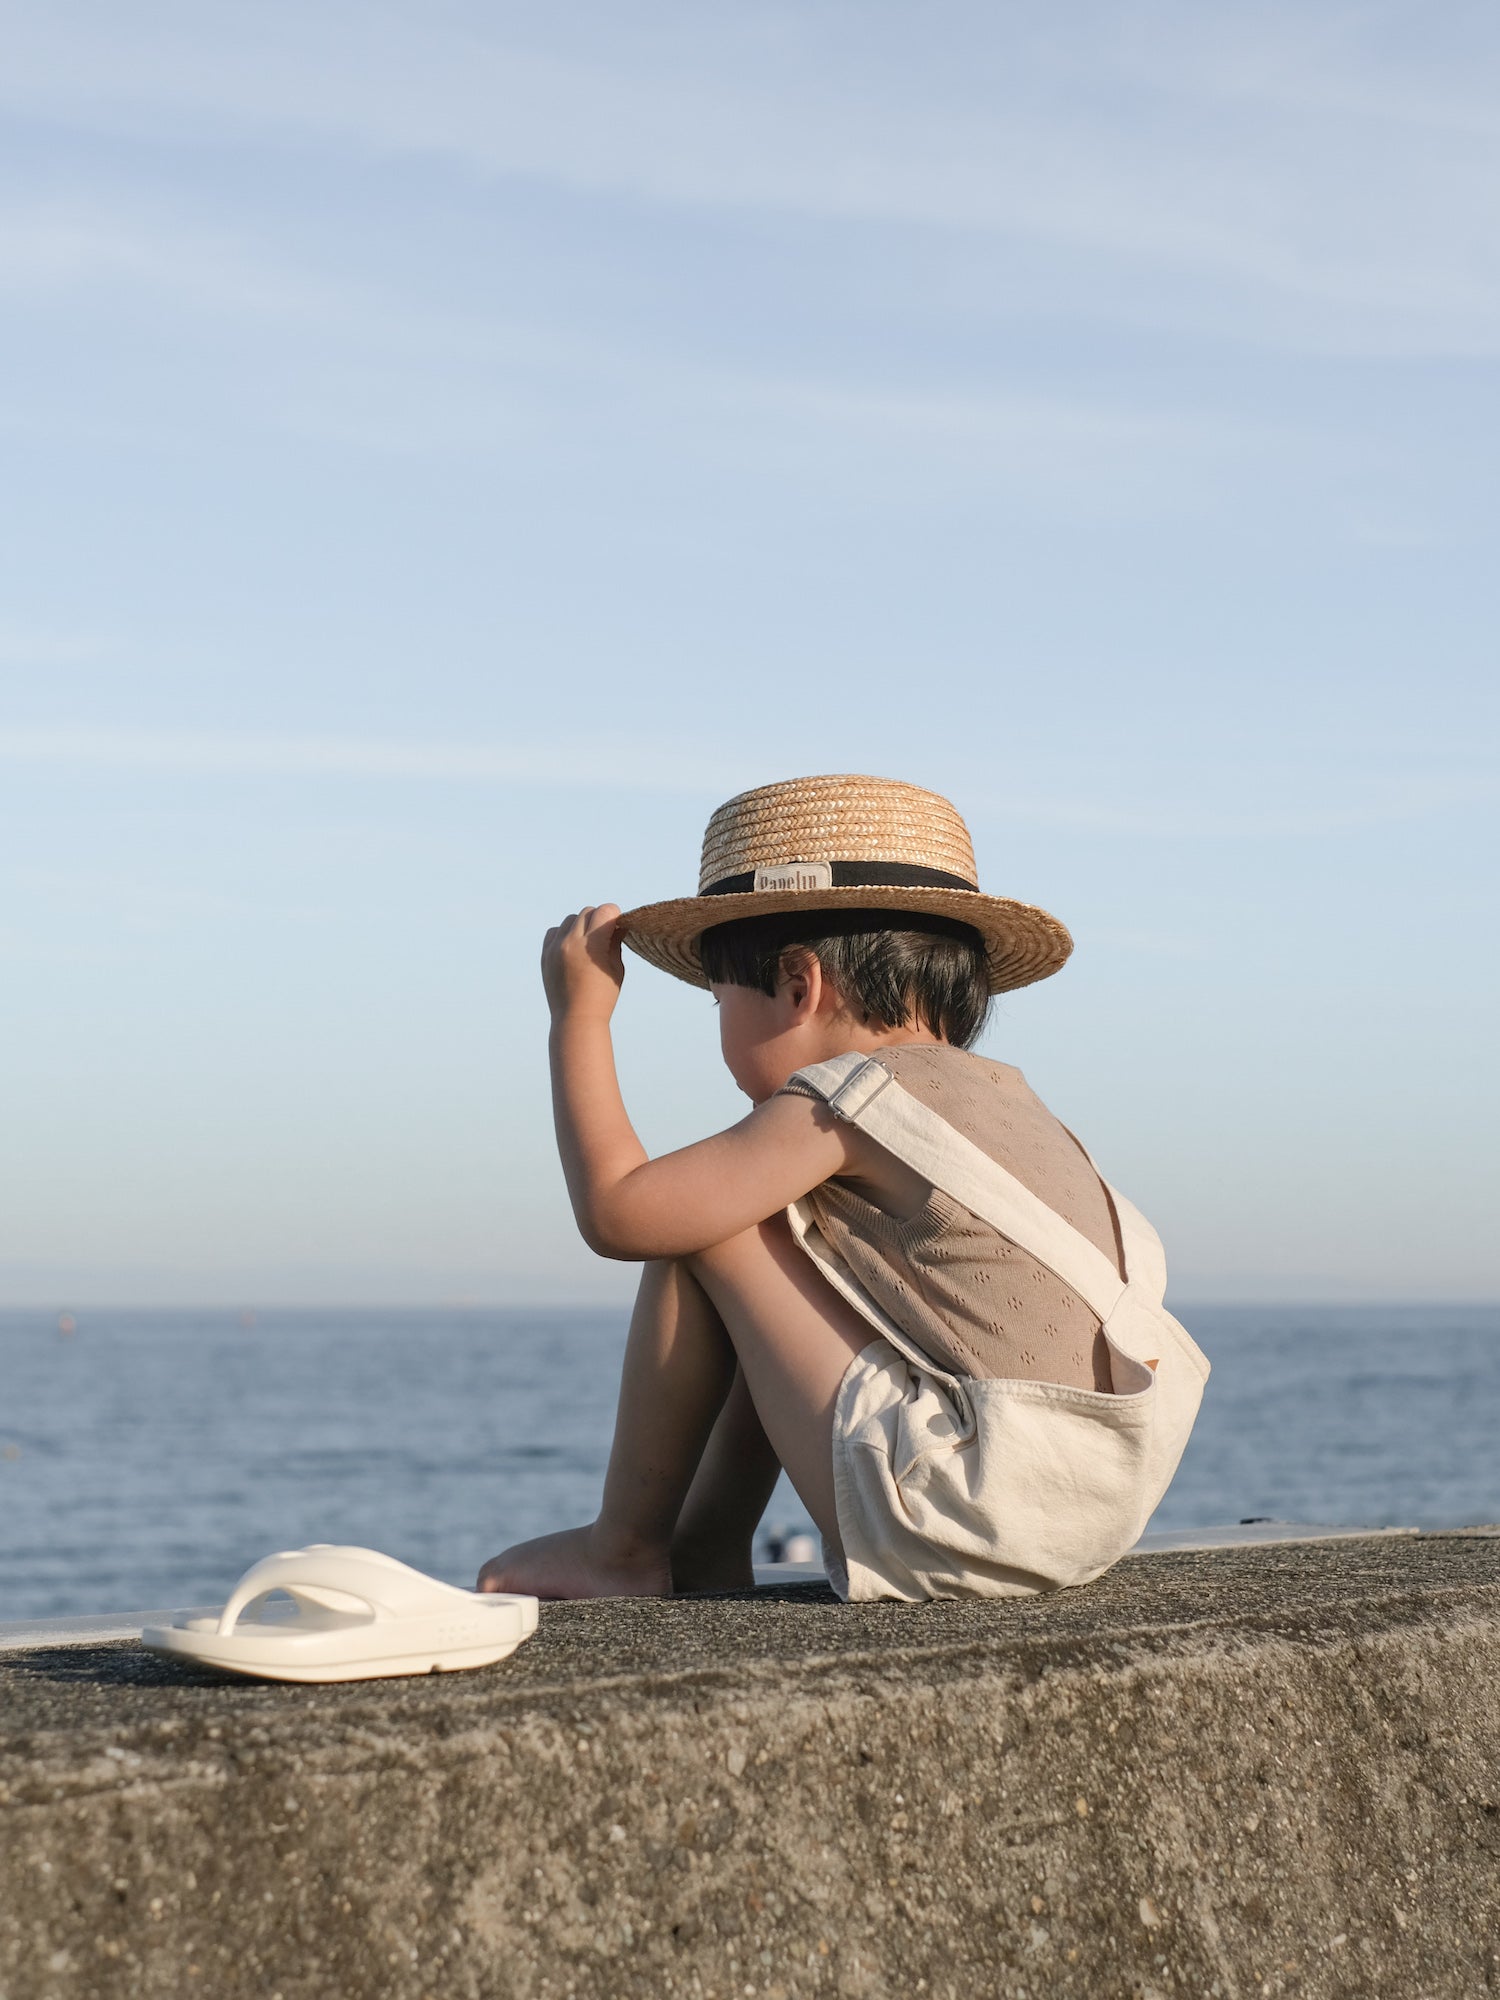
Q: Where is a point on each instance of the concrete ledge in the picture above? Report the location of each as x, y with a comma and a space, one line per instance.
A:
86, 1628
1230, 1772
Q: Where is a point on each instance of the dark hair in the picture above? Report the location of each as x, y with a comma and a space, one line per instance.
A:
891, 967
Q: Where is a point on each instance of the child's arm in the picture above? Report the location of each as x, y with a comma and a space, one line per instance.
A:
627, 1205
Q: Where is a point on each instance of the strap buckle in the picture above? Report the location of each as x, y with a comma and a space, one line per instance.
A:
858, 1089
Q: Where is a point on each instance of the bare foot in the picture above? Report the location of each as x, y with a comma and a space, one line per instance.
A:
579, 1562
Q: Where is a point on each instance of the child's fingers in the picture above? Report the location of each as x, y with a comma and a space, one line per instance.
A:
583, 924
560, 934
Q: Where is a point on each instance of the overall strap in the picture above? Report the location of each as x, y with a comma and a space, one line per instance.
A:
860, 1090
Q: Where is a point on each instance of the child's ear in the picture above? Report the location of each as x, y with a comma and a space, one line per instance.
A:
802, 981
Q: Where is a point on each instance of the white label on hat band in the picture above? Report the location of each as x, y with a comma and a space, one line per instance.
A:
796, 875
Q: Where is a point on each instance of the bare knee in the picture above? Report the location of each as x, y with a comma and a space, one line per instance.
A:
661, 1276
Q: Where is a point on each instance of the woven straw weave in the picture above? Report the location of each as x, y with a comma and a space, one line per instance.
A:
843, 819
850, 819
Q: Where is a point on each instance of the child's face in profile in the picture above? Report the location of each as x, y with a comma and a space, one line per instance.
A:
762, 1036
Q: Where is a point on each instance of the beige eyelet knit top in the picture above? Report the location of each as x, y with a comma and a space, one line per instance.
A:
962, 1291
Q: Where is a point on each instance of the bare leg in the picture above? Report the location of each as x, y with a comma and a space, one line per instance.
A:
795, 1337
677, 1373
712, 1547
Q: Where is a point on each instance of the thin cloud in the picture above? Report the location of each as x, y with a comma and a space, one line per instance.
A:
1045, 441
494, 380
97, 244
43, 648
1324, 208
694, 770
629, 766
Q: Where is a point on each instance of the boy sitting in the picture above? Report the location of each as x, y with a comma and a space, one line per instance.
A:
898, 1277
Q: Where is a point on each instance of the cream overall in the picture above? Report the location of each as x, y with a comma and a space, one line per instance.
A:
951, 1486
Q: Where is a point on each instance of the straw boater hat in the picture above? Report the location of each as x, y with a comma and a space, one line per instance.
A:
837, 844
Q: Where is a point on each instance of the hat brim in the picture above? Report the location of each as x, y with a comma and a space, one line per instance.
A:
1022, 943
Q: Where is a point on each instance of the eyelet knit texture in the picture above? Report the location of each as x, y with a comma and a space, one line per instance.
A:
965, 1294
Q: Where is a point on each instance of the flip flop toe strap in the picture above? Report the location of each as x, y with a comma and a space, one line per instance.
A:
388, 1589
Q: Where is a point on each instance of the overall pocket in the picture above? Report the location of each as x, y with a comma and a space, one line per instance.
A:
1049, 1480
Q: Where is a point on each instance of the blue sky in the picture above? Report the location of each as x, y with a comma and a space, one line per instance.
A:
450, 449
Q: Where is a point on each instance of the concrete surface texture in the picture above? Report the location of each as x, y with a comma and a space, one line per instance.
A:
1227, 1773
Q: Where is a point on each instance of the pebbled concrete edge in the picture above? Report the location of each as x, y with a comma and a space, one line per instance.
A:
1224, 1811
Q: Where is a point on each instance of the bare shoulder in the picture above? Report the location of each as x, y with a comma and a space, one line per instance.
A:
863, 1164
789, 1116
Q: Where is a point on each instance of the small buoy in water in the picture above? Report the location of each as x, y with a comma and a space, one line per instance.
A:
66, 1323
794, 1546
10, 1451
248, 1318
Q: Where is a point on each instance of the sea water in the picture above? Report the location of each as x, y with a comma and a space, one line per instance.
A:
148, 1458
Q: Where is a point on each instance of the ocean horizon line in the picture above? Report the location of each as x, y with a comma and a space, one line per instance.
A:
248, 1304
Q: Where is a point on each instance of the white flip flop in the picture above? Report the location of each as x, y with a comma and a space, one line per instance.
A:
355, 1615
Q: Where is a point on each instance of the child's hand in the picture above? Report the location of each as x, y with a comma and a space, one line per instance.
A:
582, 964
